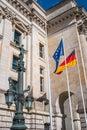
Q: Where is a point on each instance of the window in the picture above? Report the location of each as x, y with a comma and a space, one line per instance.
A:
17, 37
15, 62
41, 79
41, 84
41, 49
41, 71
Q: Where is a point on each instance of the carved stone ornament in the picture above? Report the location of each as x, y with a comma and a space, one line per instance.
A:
1, 10
30, 13
29, 28
82, 28
8, 14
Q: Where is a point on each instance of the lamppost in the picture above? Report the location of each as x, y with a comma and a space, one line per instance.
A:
16, 94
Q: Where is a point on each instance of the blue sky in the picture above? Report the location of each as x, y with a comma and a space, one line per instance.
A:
46, 4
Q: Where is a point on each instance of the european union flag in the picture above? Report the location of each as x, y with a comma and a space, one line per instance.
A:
59, 52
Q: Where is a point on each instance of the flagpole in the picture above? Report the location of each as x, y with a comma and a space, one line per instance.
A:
84, 75
82, 58
81, 90
50, 103
68, 87
49, 88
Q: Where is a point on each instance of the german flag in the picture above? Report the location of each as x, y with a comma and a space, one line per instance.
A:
70, 61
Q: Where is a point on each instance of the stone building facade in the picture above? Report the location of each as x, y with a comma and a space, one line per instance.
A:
25, 22
67, 21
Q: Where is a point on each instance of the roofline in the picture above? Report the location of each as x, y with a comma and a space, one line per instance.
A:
39, 6
74, 9
59, 5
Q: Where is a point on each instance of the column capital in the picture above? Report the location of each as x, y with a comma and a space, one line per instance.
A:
80, 106
82, 27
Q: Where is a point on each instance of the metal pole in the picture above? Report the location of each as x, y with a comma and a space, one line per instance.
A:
49, 89
83, 101
68, 87
84, 77
18, 120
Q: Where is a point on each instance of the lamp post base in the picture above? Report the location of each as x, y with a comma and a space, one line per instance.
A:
18, 127
18, 122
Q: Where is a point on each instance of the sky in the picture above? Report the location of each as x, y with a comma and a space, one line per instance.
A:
46, 4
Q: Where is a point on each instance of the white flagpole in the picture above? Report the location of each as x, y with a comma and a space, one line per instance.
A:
82, 58
49, 90
50, 103
68, 87
81, 90
84, 75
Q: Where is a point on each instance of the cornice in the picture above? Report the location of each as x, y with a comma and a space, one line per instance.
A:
58, 6
69, 14
75, 13
8, 14
34, 1
29, 12
19, 3
38, 19
21, 7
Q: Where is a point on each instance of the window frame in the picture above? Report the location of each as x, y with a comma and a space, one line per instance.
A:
42, 80
17, 43
41, 50
13, 65
41, 84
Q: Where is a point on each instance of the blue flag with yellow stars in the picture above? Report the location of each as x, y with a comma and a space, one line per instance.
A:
59, 52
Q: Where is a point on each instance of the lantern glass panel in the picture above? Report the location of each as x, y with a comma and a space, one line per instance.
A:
9, 97
28, 103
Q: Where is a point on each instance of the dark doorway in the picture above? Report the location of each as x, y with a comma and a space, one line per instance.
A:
64, 107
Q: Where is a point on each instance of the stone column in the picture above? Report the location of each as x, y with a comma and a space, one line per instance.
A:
60, 121
76, 120
83, 52
76, 117
82, 114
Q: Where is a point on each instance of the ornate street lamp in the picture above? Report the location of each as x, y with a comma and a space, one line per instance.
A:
16, 94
